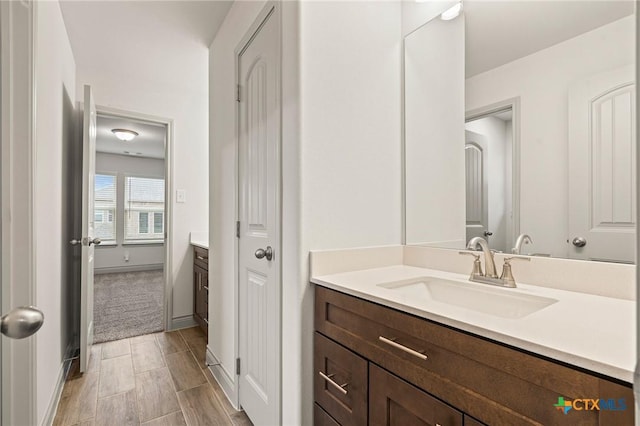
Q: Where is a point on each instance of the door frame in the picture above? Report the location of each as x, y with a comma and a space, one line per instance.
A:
18, 69
167, 317
486, 111
270, 8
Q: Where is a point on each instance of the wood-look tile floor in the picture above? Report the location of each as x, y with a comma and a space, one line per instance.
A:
157, 379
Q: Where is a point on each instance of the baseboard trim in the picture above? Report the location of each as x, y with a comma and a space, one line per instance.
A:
185, 321
52, 409
223, 378
131, 268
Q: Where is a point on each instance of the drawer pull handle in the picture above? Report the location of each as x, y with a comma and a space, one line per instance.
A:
206, 287
206, 321
341, 388
402, 347
200, 257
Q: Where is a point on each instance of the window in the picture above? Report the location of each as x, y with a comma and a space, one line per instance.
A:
158, 223
144, 209
104, 207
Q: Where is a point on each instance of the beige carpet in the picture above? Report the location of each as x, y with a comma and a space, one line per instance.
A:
127, 304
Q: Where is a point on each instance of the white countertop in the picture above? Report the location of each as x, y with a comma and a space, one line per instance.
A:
596, 333
199, 239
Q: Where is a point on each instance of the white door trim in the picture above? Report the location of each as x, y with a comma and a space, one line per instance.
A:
514, 104
167, 321
18, 29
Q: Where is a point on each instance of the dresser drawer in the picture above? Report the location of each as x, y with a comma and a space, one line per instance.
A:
491, 382
340, 382
201, 257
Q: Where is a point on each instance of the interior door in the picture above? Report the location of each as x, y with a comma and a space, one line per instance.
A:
476, 185
259, 216
88, 241
602, 167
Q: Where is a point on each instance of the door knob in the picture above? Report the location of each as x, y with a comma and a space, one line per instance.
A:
268, 253
85, 241
21, 322
488, 233
579, 242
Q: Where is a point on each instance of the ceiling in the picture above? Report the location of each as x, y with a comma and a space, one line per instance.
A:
149, 39
498, 32
150, 141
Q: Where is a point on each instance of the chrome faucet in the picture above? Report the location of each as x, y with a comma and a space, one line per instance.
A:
506, 278
489, 263
522, 239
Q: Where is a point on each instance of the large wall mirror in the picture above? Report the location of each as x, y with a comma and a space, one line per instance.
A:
520, 119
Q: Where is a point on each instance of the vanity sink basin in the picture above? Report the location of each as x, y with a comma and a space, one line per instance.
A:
496, 302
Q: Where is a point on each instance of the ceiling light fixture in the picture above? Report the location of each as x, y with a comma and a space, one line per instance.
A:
452, 12
124, 134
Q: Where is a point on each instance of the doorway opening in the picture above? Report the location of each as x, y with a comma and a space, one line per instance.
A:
130, 216
491, 175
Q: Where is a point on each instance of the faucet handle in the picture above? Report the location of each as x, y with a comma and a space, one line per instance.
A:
477, 265
507, 275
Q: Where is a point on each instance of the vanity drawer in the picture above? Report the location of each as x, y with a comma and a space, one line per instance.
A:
201, 257
340, 382
491, 382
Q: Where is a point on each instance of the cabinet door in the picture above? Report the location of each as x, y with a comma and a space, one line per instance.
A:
321, 418
340, 382
392, 401
200, 295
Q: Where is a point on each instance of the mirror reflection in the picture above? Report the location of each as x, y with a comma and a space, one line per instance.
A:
542, 146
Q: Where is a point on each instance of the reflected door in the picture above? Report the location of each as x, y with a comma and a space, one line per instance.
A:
476, 185
602, 169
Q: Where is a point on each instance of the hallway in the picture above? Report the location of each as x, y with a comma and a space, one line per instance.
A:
154, 379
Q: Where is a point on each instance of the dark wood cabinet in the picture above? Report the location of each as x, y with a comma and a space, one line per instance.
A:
482, 381
393, 401
201, 287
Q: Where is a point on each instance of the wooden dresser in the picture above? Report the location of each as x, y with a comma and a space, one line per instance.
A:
201, 287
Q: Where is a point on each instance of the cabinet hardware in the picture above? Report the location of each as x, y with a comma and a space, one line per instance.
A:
329, 380
413, 352
199, 257
206, 321
206, 287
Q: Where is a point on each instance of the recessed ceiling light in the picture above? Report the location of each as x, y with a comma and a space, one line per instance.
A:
124, 134
452, 12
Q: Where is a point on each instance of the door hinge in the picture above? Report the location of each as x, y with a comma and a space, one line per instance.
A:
238, 366
237, 93
238, 229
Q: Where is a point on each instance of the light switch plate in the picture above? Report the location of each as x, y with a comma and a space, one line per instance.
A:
181, 196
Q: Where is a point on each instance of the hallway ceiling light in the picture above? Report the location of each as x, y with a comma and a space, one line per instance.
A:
452, 12
124, 134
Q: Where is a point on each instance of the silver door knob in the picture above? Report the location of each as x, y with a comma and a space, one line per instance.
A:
21, 322
268, 253
579, 242
85, 241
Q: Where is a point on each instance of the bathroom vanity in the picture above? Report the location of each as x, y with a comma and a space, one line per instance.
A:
396, 345
199, 241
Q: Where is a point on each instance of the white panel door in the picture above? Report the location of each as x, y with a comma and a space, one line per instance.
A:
259, 216
476, 185
88, 241
602, 167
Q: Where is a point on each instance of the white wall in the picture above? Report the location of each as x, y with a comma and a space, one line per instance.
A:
341, 161
541, 80
495, 130
179, 93
112, 258
55, 91
434, 135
